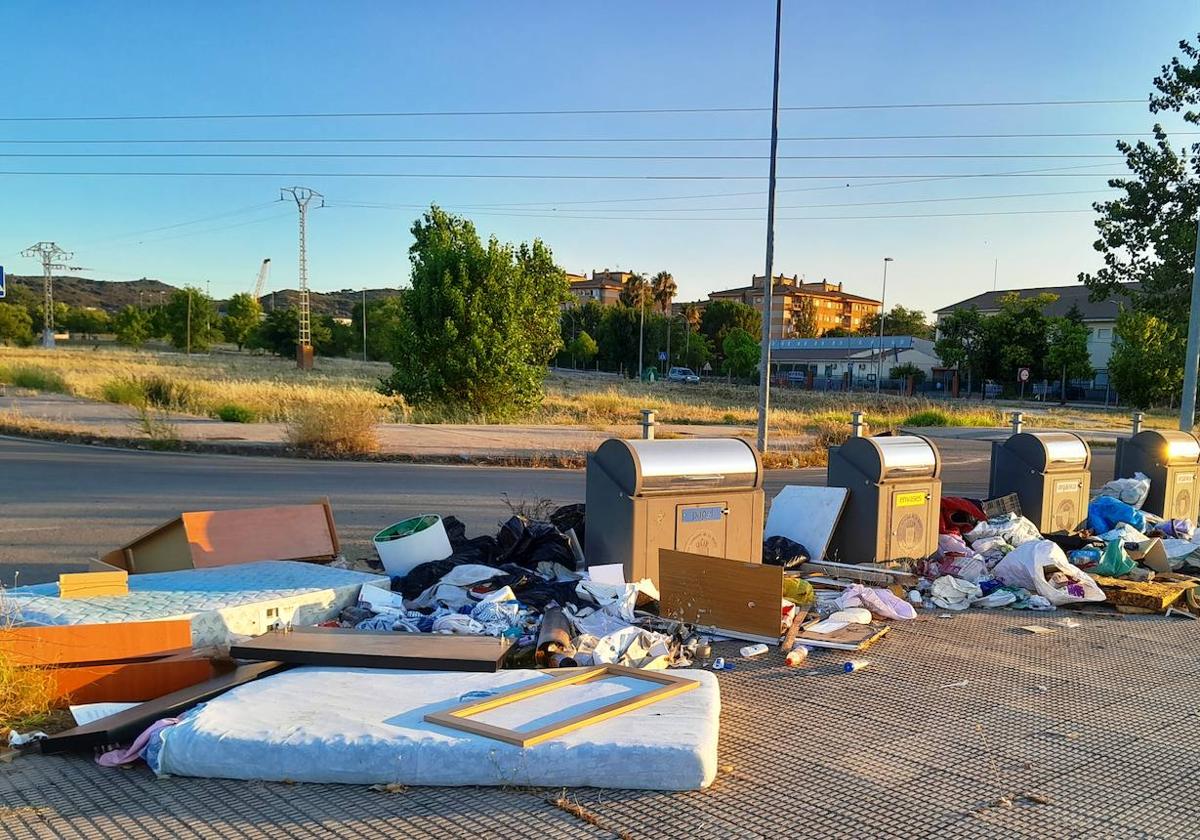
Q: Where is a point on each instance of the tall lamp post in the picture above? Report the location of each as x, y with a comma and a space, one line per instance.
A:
882, 311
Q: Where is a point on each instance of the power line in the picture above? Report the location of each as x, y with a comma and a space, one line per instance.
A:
1039, 103
541, 177
453, 156
798, 139
248, 209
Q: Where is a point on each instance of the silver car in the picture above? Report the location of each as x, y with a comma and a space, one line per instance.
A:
682, 374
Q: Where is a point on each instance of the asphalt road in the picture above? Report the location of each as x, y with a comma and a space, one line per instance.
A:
62, 502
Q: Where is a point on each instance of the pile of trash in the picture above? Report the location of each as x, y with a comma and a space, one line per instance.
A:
527, 584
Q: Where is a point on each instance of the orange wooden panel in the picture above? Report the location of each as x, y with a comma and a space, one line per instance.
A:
128, 682
82, 644
290, 532
92, 584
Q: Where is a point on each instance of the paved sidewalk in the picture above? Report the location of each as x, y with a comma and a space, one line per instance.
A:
413, 439
963, 726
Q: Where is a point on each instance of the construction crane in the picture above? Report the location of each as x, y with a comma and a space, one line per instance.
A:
263, 273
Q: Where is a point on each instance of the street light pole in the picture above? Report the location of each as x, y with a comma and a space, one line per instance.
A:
764, 374
364, 323
882, 311
641, 330
1187, 407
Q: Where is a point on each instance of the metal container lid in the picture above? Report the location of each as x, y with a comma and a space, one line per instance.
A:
1169, 446
699, 464
893, 456
1051, 451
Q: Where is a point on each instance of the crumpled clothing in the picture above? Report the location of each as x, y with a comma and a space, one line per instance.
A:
1035, 602
991, 549
996, 598
376, 623
1123, 533
958, 514
1015, 530
631, 646
140, 745
458, 624
880, 602
951, 593
1131, 491
1181, 529
498, 612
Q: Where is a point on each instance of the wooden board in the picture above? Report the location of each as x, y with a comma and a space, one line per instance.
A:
729, 597
82, 644
133, 681
850, 637
204, 539
1153, 595
364, 649
93, 584
458, 717
124, 726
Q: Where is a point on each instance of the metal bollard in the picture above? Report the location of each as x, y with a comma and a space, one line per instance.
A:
856, 424
1138, 417
647, 424
1017, 422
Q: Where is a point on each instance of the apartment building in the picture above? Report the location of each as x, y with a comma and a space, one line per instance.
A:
603, 287
833, 307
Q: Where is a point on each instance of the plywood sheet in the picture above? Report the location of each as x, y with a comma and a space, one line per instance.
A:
363, 649
82, 644
135, 681
850, 637
807, 515
93, 584
125, 726
737, 599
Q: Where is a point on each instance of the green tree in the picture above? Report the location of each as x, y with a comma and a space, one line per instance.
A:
742, 352
16, 327
1067, 352
481, 321
837, 332
1015, 337
384, 317
583, 349
332, 338
279, 333
1148, 235
618, 338
242, 315
804, 319
663, 290
203, 320
86, 321
906, 370
636, 291
132, 326
722, 316
961, 341
897, 321
1147, 359
696, 352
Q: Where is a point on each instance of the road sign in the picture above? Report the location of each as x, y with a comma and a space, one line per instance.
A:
662, 355
2, 287
1023, 374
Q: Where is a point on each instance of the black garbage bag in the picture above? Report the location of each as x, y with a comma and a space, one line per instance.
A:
420, 578
456, 531
570, 518
780, 551
482, 551
529, 543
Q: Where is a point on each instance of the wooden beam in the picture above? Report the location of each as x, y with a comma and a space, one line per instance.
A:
127, 725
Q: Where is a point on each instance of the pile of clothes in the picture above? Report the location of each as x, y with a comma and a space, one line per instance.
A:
504, 586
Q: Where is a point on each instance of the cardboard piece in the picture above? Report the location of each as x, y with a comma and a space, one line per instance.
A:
726, 597
807, 515
91, 644
127, 725
849, 637
204, 539
93, 584
364, 649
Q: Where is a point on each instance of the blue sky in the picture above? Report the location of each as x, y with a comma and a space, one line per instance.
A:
130, 58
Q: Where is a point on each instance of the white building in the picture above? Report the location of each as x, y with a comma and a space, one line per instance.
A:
852, 361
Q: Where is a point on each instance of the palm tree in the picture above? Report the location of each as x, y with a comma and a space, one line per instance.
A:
691, 314
663, 289
635, 291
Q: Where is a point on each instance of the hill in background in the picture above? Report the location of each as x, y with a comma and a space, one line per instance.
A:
112, 295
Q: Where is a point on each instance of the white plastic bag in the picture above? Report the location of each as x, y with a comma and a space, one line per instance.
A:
1041, 567
1131, 491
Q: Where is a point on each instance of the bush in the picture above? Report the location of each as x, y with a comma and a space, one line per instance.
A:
124, 391
26, 692
928, 417
335, 429
35, 378
234, 413
164, 392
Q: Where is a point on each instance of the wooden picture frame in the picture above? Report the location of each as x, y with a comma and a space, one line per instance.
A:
459, 717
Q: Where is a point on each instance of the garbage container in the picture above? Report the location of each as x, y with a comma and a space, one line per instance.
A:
1049, 472
1172, 461
894, 501
702, 496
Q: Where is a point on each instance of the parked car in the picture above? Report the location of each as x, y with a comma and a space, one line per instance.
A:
682, 374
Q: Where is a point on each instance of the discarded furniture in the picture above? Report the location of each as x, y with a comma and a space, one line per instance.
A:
219, 603
365, 649
807, 515
1049, 472
721, 596
92, 584
203, 539
367, 726
127, 725
701, 496
459, 717
1171, 460
895, 498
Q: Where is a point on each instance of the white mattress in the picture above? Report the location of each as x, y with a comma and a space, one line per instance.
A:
227, 601
366, 726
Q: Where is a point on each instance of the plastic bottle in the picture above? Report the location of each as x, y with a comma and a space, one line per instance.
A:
797, 656
754, 650
854, 665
